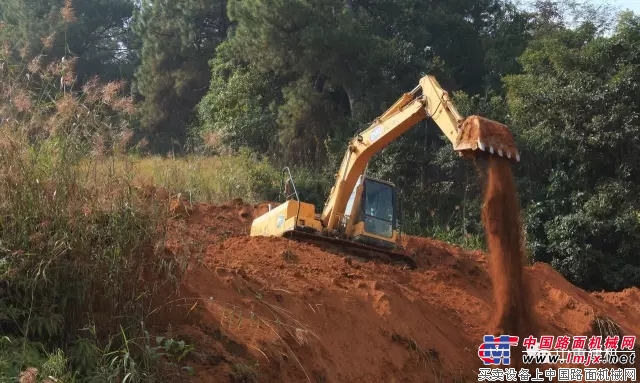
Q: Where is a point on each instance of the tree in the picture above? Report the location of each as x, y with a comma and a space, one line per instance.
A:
94, 31
575, 107
177, 40
340, 64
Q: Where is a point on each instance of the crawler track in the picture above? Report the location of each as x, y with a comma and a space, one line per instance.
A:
354, 250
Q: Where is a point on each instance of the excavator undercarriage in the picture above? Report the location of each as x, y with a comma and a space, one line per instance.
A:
355, 250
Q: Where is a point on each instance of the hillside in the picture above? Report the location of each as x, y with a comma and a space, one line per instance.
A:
275, 310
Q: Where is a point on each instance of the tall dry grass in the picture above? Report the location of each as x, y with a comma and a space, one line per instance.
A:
207, 179
74, 234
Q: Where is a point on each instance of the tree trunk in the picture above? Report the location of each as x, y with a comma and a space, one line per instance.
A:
348, 4
318, 83
354, 96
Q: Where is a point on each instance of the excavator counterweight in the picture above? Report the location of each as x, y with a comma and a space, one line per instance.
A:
360, 217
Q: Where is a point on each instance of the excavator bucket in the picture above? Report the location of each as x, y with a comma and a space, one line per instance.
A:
479, 133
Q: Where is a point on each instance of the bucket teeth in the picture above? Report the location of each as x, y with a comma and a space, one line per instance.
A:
490, 136
502, 153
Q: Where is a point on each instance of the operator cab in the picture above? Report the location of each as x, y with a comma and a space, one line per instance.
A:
377, 212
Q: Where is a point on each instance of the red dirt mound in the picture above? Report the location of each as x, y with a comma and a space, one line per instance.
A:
275, 310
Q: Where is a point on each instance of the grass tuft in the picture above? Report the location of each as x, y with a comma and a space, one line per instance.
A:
243, 373
604, 326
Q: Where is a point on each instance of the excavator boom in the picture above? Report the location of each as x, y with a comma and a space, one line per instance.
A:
427, 100
360, 212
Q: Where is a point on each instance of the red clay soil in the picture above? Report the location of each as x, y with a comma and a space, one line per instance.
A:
275, 310
513, 310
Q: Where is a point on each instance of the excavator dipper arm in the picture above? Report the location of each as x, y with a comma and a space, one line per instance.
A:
426, 100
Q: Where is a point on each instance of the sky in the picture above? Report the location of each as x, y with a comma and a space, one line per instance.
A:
634, 5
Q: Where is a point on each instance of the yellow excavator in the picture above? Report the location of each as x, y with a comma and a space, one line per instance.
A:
360, 216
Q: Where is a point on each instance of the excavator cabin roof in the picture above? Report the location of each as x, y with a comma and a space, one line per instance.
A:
381, 181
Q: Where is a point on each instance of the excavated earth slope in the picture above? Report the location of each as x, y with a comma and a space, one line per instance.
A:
275, 310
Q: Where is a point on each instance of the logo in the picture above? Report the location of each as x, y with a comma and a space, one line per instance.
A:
496, 350
377, 132
280, 221
579, 350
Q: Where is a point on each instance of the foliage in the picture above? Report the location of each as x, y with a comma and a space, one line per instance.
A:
232, 119
212, 179
220, 178
575, 108
177, 39
71, 243
93, 31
